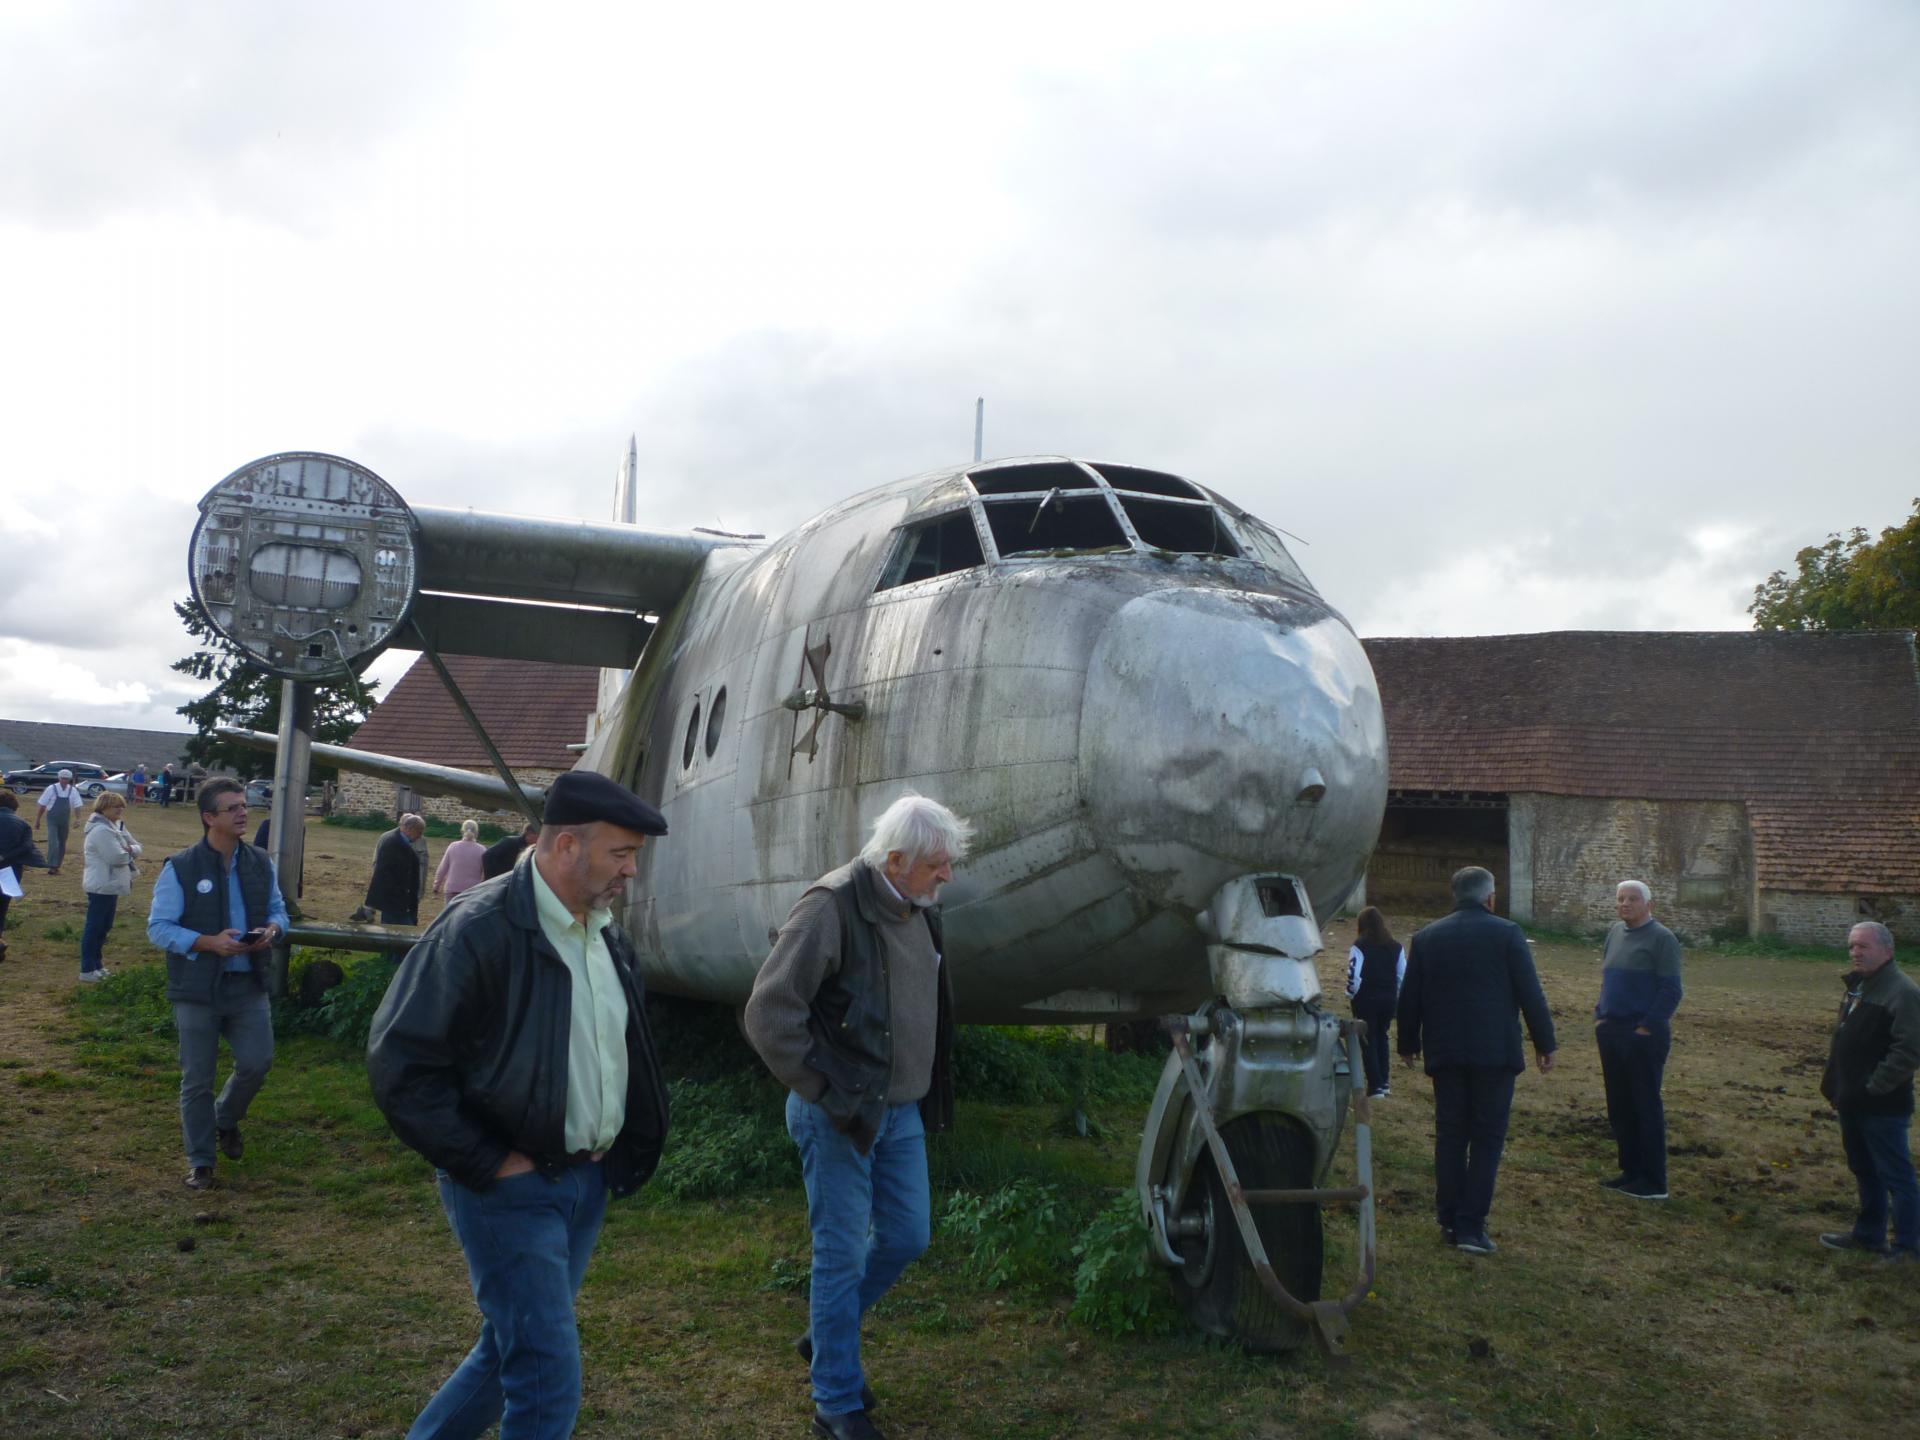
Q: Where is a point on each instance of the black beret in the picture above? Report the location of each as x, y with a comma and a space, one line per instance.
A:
580, 797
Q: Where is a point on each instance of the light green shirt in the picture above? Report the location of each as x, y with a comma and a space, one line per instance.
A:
597, 1040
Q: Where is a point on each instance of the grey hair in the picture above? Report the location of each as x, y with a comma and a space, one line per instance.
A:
1646, 891
918, 828
1878, 931
411, 819
1472, 883
469, 829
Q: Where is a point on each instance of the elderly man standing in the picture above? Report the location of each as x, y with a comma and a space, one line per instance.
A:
1869, 1083
216, 905
58, 802
1468, 974
394, 890
853, 1013
512, 1051
1639, 991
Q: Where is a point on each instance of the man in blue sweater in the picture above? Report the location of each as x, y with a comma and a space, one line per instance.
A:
1470, 977
1639, 991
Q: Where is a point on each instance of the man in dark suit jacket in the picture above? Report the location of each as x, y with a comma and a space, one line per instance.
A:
395, 888
1469, 976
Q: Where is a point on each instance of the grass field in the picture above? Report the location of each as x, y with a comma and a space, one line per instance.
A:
316, 1291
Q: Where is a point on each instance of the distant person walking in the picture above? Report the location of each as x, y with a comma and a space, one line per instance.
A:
17, 851
166, 786
58, 803
109, 852
394, 890
460, 862
1639, 991
1375, 967
1469, 976
502, 855
1869, 1082
137, 782
417, 839
215, 906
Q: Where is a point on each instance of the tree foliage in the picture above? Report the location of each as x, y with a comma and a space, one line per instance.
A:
245, 695
1851, 582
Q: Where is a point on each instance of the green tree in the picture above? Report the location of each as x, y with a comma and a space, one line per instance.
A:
245, 695
1850, 582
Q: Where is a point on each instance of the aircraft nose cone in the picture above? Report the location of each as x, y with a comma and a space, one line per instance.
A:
1225, 731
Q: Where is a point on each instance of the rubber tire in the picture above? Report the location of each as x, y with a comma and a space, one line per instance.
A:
1226, 1299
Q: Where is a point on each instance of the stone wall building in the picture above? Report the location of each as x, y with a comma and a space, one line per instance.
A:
1760, 783
532, 712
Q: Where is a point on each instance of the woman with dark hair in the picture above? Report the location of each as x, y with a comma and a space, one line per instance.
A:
17, 851
1375, 967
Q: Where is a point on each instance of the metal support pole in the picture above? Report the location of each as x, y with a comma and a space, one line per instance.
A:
979, 425
290, 768
479, 730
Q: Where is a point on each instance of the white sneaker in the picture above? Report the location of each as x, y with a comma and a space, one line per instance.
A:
90, 976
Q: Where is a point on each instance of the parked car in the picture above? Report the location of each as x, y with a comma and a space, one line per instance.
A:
119, 784
41, 776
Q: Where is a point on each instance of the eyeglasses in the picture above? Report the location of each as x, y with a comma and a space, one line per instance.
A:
239, 809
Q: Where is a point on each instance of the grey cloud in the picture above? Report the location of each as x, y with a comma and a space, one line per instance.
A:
256, 109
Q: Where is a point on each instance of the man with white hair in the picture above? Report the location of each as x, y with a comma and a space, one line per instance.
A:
1869, 1083
1639, 991
853, 1013
398, 875
57, 805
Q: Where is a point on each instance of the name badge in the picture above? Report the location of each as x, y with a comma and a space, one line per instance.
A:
205, 887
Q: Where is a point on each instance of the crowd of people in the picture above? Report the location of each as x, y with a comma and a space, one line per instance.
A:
511, 1051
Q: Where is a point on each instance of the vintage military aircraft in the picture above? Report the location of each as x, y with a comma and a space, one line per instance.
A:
1169, 745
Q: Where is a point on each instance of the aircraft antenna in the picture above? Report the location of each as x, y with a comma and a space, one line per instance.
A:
979, 425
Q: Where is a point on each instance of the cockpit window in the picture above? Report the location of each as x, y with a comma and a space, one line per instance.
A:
1053, 524
1151, 482
1268, 548
1181, 529
1019, 479
936, 547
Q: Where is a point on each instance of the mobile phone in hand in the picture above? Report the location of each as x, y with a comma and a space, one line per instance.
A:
253, 937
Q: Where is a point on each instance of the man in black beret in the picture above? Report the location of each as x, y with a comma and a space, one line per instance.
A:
530, 1137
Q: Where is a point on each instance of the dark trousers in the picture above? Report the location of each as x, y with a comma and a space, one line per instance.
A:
409, 916
1631, 1066
1881, 1158
1376, 1051
93, 937
1470, 1108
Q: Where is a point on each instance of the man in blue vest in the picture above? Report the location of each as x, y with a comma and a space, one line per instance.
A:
1469, 976
216, 907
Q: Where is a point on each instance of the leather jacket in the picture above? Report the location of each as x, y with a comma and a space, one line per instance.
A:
468, 1051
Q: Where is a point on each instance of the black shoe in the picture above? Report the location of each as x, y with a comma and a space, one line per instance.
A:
854, 1425
199, 1177
1474, 1242
1618, 1182
231, 1145
1894, 1258
1643, 1192
803, 1347
1847, 1240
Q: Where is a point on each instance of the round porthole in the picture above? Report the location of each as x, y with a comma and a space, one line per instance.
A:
716, 717
693, 737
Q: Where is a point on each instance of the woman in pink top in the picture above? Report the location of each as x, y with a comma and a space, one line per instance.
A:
460, 862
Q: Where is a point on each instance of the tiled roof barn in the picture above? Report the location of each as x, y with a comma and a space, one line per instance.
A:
1815, 736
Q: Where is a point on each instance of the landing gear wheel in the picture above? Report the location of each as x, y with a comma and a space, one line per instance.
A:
1215, 1284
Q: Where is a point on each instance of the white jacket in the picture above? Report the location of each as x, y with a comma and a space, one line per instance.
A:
110, 851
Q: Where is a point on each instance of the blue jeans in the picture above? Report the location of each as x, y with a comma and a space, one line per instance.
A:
1881, 1159
1471, 1104
240, 1012
93, 937
871, 1218
527, 1242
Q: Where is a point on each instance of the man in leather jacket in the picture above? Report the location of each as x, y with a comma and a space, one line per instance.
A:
512, 1051
853, 1012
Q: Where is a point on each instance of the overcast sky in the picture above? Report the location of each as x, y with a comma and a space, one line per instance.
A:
1524, 316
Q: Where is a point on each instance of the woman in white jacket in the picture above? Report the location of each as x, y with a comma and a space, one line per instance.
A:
110, 853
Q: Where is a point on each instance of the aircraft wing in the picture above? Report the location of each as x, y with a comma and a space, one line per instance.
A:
487, 792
